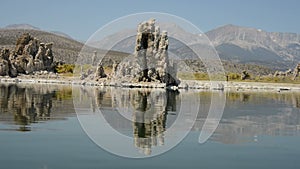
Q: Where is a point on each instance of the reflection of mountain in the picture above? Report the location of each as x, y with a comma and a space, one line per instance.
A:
248, 116
24, 105
146, 111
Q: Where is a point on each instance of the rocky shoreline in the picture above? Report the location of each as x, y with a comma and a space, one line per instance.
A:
185, 84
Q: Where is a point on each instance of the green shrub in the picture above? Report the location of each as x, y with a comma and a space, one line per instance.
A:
65, 68
234, 76
201, 76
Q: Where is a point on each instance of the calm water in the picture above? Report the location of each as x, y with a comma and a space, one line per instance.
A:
39, 129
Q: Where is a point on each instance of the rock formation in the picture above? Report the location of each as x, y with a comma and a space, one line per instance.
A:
29, 55
288, 72
296, 71
100, 71
4, 62
245, 75
284, 74
151, 62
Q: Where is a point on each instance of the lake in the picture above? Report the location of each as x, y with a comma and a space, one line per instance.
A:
60, 126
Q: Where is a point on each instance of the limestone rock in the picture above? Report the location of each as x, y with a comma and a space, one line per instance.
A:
48, 58
288, 73
284, 74
31, 48
5, 54
41, 52
4, 62
29, 55
296, 71
100, 72
4, 67
151, 62
23, 64
13, 71
245, 75
22, 42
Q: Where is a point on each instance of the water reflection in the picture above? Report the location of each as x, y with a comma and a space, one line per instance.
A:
146, 114
249, 116
146, 110
26, 104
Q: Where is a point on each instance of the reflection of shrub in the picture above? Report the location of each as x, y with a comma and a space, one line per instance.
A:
65, 68
64, 94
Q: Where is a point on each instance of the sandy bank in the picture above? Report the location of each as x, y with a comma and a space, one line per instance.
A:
185, 84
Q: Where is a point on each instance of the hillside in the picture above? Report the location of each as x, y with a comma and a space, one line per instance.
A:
64, 48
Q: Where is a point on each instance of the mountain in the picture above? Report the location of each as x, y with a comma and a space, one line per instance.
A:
250, 45
61, 34
21, 26
30, 27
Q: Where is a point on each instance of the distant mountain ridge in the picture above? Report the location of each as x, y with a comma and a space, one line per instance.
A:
251, 45
26, 26
21, 26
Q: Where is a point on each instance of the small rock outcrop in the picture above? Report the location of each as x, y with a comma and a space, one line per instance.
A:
100, 71
288, 73
4, 62
296, 71
283, 73
245, 75
29, 55
150, 62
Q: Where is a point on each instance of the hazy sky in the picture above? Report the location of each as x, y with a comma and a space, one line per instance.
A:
81, 18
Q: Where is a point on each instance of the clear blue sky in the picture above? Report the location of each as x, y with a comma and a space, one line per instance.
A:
81, 18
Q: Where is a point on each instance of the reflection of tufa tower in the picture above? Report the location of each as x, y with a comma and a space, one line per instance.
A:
149, 120
148, 114
27, 104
